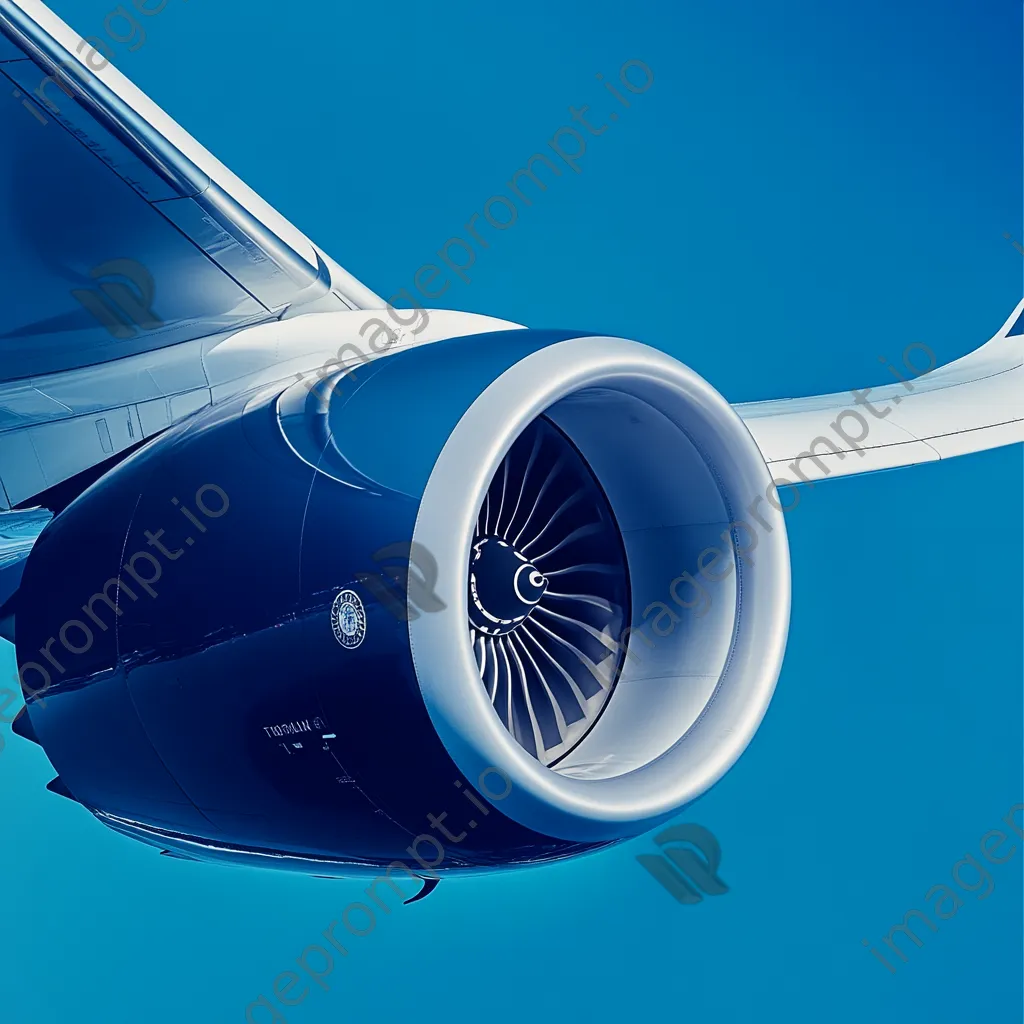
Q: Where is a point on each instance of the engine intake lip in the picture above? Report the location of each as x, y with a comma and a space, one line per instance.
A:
674, 727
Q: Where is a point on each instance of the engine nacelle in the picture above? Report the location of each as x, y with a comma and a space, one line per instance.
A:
293, 627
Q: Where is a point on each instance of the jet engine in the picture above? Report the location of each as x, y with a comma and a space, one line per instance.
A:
296, 626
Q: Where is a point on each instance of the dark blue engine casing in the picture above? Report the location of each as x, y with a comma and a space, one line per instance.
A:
216, 709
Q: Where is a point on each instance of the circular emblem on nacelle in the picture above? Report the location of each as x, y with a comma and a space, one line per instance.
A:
348, 619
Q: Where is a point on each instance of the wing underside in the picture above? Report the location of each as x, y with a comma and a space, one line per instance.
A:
119, 233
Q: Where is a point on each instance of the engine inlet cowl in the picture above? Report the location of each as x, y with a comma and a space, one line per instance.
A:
567, 512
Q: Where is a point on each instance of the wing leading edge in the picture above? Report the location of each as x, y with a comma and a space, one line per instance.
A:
969, 405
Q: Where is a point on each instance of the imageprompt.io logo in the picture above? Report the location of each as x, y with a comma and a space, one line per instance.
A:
681, 870
121, 309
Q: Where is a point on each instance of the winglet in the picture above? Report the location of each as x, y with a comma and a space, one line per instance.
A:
1014, 326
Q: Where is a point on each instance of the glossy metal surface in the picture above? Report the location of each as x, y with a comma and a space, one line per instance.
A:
222, 707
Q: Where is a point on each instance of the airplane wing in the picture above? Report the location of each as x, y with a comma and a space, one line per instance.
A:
929, 413
121, 236
119, 233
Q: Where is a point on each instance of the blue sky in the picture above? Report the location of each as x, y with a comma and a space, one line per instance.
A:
806, 187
